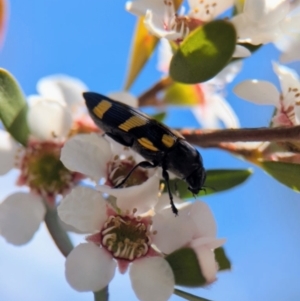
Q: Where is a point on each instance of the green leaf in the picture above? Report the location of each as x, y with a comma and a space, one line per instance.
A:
204, 53
182, 94
285, 173
13, 107
222, 260
188, 296
186, 269
216, 180
159, 116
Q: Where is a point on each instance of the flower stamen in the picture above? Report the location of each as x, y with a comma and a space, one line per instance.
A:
125, 237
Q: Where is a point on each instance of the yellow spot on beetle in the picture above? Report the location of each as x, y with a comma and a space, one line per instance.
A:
167, 140
101, 108
146, 143
132, 122
176, 133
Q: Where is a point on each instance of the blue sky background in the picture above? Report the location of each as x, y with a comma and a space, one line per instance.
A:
260, 219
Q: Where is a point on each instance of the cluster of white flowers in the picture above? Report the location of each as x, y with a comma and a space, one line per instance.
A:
136, 229
286, 102
129, 228
259, 22
51, 116
210, 106
133, 228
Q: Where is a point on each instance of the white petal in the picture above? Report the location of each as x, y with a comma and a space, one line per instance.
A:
251, 32
164, 56
206, 118
154, 24
89, 268
227, 75
292, 53
207, 263
241, 51
288, 78
209, 242
267, 12
8, 151
125, 97
198, 8
203, 218
62, 88
152, 279
84, 209
216, 109
173, 232
88, 154
140, 7
20, 217
259, 92
141, 197
49, 119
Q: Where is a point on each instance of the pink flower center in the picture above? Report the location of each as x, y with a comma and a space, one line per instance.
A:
285, 114
42, 170
118, 169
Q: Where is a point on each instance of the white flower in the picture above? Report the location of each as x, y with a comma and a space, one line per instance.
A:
50, 120
263, 21
213, 108
20, 217
101, 158
116, 239
287, 102
53, 111
194, 227
124, 239
161, 19
210, 107
289, 41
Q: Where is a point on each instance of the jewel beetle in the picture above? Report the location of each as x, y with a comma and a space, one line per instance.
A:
154, 141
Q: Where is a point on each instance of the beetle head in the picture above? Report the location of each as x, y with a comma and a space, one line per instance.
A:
196, 180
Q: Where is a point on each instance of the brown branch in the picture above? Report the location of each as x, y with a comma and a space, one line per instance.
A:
205, 138
149, 98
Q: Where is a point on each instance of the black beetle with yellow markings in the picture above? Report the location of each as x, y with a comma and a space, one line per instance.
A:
151, 139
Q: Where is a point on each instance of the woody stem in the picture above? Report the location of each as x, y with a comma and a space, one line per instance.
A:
209, 138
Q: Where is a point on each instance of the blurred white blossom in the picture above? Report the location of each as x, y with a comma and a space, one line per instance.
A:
162, 20
123, 239
286, 102
210, 106
264, 21
50, 120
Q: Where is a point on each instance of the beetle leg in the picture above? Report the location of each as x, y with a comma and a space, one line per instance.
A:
166, 178
143, 164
